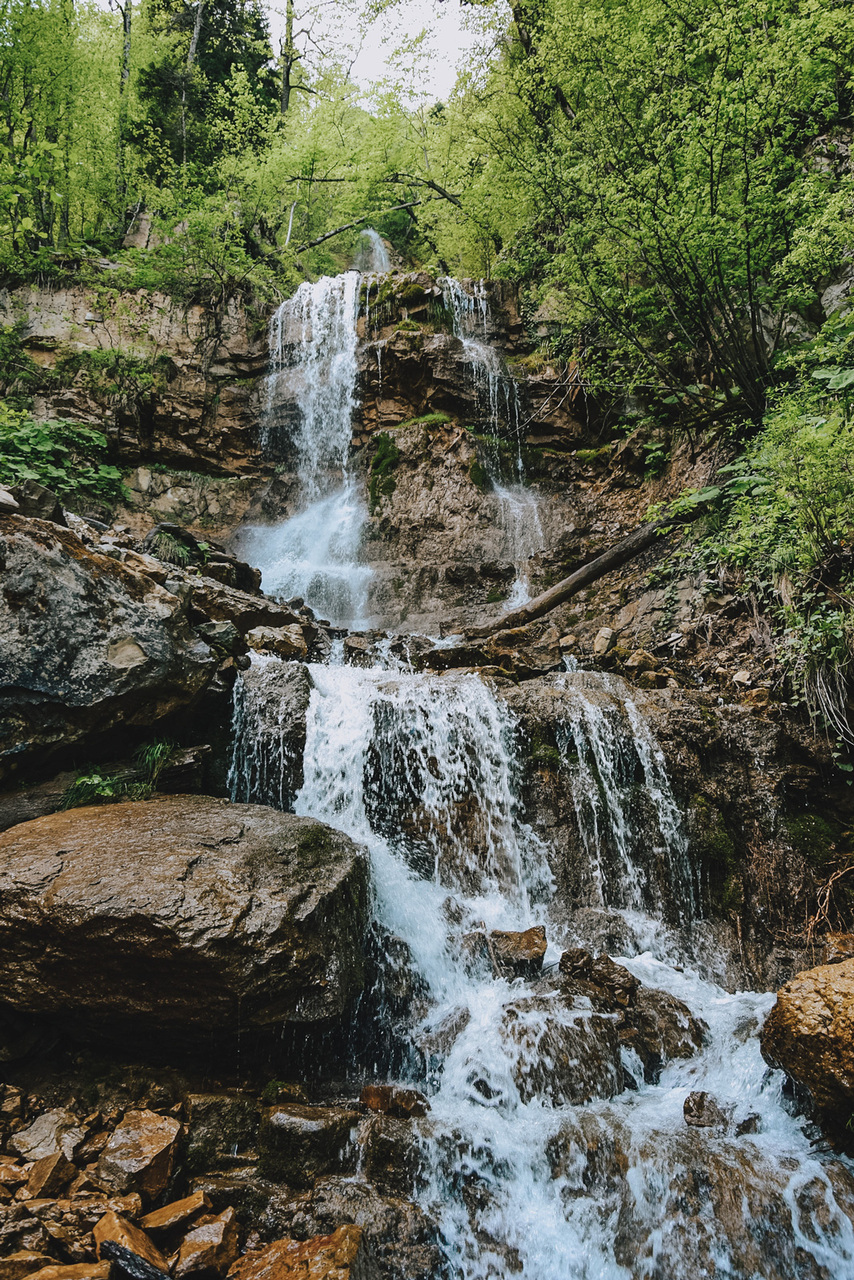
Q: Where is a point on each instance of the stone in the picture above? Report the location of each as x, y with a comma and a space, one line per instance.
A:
74, 1271
297, 1143
23, 1262
127, 1265
809, 1033
742, 678
559, 1055
216, 916
602, 642
89, 644
52, 1131
8, 501
220, 635
392, 1100
117, 1229
37, 502
612, 983
140, 1154
568, 643
219, 603
343, 1255
837, 947
391, 1160
219, 1125
211, 1246
49, 1175
702, 1111
175, 1214
659, 1027
519, 955
284, 642
641, 661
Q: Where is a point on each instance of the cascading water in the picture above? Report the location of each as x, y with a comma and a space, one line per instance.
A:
518, 509
313, 366
547, 1154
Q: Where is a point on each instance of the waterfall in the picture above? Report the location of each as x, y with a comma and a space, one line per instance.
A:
372, 257
547, 1152
496, 390
313, 368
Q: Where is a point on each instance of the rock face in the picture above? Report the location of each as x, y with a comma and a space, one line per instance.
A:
183, 915
88, 643
810, 1034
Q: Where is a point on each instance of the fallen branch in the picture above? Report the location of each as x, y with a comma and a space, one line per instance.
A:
626, 549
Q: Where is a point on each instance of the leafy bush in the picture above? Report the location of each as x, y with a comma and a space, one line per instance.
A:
66, 457
100, 785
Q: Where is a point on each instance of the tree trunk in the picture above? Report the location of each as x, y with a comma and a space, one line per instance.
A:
626, 549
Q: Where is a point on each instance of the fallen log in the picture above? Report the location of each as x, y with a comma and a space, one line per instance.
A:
632, 545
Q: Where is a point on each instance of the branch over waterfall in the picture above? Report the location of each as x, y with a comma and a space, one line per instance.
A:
626, 549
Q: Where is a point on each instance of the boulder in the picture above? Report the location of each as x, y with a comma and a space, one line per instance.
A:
392, 1100
118, 1230
74, 1271
284, 642
297, 1143
558, 1054
219, 1126
89, 643
210, 1247
49, 1175
810, 1034
181, 915
519, 955
702, 1111
344, 1255
23, 1262
52, 1131
139, 1154
176, 1214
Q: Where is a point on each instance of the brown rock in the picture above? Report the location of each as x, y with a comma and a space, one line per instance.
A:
810, 1034
49, 1175
176, 1213
22, 1263
285, 642
114, 1227
298, 1143
74, 1271
140, 1154
217, 915
209, 1247
559, 1055
837, 947
519, 954
340, 1256
53, 1130
610, 983
701, 1111
391, 1100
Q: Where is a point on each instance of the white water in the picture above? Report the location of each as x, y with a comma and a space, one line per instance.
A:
422, 770
518, 508
313, 364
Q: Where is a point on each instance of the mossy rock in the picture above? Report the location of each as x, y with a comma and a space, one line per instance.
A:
716, 853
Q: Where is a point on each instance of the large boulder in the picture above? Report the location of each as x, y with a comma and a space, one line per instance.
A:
810, 1034
89, 643
181, 915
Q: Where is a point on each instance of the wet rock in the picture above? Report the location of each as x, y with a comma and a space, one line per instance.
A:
212, 1246
127, 1265
23, 1262
219, 1125
519, 955
140, 1154
561, 1055
219, 603
837, 947
702, 1111
284, 642
810, 1034
392, 1100
74, 1271
49, 1175
89, 644
52, 1131
176, 1214
659, 1027
297, 1144
214, 916
400, 1235
391, 1159
610, 983
343, 1255
116, 1229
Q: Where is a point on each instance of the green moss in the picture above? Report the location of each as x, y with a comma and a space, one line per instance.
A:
314, 840
408, 326
593, 455
382, 483
716, 852
478, 474
426, 420
813, 837
495, 595
410, 292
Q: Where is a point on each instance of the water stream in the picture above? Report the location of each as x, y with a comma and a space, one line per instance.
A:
496, 390
547, 1153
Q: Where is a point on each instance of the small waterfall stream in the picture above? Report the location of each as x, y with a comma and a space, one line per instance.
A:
315, 554
518, 508
546, 1153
